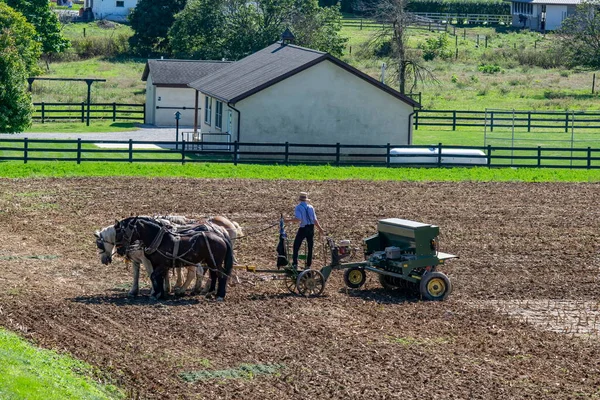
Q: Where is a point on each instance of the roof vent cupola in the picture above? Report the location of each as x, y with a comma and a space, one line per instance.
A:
287, 37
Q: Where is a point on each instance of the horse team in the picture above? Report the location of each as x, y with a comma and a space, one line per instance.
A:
173, 242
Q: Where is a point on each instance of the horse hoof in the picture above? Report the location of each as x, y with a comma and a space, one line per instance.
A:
220, 299
132, 294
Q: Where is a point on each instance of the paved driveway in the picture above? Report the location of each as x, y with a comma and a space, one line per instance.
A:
143, 133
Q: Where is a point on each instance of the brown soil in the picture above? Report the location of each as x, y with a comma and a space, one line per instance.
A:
524, 248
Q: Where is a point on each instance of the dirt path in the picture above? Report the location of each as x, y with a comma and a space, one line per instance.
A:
520, 245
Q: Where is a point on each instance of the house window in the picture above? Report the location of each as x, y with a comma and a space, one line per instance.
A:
207, 109
523, 8
120, 3
219, 114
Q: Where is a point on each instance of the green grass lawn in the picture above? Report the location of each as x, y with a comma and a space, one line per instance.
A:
29, 373
250, 171
78, 127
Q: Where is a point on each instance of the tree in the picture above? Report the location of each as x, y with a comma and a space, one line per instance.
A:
15, 101
45, 21
23, 35
150, 21
236, 28
580, 35
393, 38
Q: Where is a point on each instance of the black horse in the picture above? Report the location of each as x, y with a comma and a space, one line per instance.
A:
167, 249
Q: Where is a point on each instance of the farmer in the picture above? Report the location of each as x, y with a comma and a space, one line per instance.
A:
304, 213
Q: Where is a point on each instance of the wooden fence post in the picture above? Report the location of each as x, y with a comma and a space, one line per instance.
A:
235, 152
454, 120
589, 157
114, 112
439, 157
387, 155
489, 155
539, 156
492, 122
287, 152
25, 150
78, 150
416, 120
43, 111
337, 154
566, 122
130, 150
529, 121
182, 151
82, 112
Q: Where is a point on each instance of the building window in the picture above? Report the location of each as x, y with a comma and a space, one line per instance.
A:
207, 109
219, 114
523, 8
120, 3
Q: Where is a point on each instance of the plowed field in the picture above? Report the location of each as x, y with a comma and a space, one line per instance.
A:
522, 321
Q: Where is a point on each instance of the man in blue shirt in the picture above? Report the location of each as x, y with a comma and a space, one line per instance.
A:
304, 213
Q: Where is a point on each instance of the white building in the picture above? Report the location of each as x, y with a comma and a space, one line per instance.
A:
287, 93
542, 15
113, 10
167, 89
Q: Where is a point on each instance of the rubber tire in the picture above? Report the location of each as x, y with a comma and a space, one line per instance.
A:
425, 281
363, 277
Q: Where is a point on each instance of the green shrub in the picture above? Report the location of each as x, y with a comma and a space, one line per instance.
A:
489, 69
436, 47
460, 6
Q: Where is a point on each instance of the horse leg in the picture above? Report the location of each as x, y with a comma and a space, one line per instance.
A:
158, 277
211, 285
199, 275
222, 287
135, 286
149, 269
179, 282
191, 273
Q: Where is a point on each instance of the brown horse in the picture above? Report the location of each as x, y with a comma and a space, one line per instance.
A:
166, 249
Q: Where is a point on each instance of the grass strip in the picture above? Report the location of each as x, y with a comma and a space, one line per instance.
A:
297, 172
244, 371
27, 372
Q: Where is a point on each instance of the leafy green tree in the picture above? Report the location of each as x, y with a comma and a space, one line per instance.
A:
199, 30
580, 35
23, 33
45, 21
236, 28
150, 21
15, 101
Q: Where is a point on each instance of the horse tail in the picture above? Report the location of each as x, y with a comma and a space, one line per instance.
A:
229, 260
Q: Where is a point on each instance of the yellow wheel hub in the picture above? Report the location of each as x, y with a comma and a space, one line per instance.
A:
355, 277
436, 287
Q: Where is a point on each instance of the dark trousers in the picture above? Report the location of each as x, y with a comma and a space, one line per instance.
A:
308, 233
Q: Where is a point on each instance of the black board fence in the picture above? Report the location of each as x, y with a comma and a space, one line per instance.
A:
47, 112
80, 151
561, 120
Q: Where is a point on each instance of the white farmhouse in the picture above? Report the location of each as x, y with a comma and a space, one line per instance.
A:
542, 15
287, 93
167, 90
113, 10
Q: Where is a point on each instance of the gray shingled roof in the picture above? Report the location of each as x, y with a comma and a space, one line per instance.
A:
255, 70
180, 72
268, 66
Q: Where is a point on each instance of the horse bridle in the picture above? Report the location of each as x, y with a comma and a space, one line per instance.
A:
126, 234
100, 243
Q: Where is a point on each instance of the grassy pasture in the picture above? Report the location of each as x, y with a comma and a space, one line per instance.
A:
27, 372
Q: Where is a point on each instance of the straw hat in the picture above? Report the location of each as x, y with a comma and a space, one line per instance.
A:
303, 196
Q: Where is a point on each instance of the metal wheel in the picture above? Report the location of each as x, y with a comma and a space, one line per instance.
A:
355, 277
435, 286
310, 283
290, 283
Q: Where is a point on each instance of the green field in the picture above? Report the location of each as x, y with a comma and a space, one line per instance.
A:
29, 373
319, 173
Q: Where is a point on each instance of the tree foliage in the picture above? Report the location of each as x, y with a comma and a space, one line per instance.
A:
150, 21
45, 21
15, 101
580, 35
23, 35
235, 28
